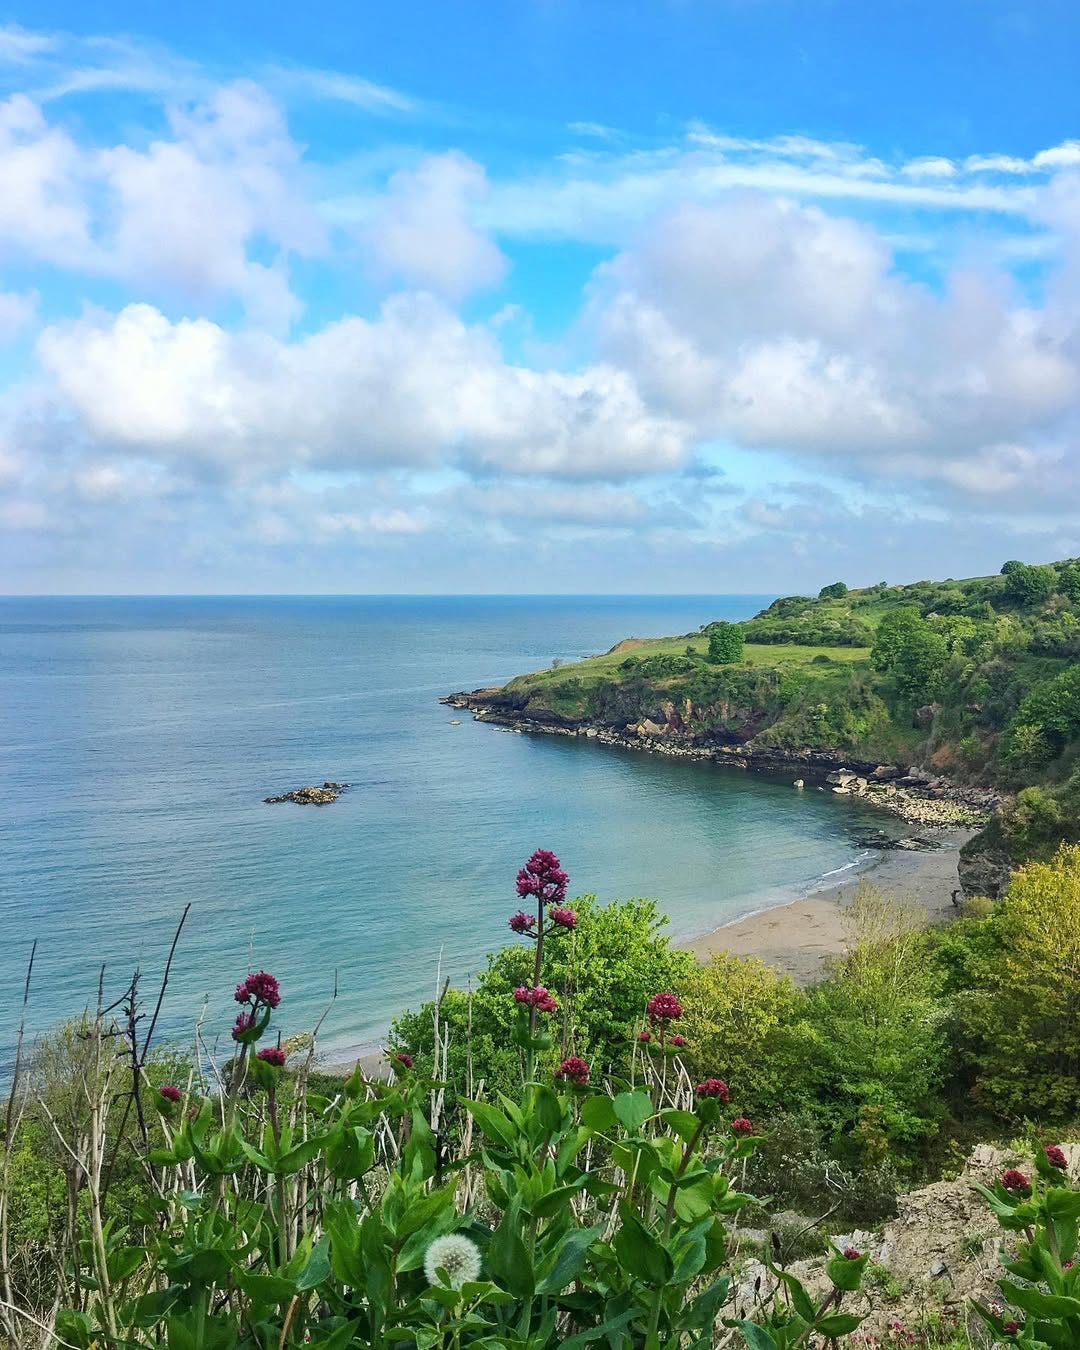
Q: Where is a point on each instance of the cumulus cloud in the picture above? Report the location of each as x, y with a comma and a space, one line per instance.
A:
778, 325
414, 387
424, 235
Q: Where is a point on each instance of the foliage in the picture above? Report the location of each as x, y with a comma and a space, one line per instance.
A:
1022, 1014
725, 643
1029, 585
908, 648
836, 591
733, 1009
603, 970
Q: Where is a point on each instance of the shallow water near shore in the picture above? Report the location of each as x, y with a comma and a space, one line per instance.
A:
138, 738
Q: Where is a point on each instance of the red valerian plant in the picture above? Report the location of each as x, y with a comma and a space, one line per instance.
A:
573, 1069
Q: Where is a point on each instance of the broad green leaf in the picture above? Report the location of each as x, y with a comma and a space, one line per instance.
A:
633, 1109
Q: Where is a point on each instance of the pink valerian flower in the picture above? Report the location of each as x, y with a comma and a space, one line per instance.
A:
543, 877
677, 1041
563, 918
244, 1022
663, 1008
644, 1037
1010, 1328
1015, 1180
404, 1059
538, 998
713, 1087
260, 987
522, 922
852, 1253
1055, 1157
273, 1054
1066, 1265
574, 1070
742, 1126
170, 1093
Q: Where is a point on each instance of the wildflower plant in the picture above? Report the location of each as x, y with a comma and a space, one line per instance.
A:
575, 1212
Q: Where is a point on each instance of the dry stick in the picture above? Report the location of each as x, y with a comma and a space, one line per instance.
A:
11, 1124
137, 1074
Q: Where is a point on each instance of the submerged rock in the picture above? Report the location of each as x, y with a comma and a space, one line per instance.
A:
311, 795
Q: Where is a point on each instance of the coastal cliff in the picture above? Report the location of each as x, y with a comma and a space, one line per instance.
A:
952, 702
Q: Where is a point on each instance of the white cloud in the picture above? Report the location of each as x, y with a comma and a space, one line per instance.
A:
17, 313
1063, 156
339, 87
929, 166
423, 233
415, 387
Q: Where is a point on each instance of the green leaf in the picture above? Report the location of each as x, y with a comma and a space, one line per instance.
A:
640, 1252
846, 1273
800, 1299
492, 1121
125, 1261
508, 1257
1042, 1305
684, 1123
570, 1259
1063, 1204
318, 1266
557, 1199
694, 1202
267, 1288
548, 1108
598, 1113
605, 1329
838, 1324
296, 1158
757, 1338
633, 1109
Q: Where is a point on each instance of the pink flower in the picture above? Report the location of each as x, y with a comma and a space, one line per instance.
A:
244, 1022
677, 1041
273, 1054
543, 877
574, 1070
404, 1059
1014, 1180
714, 1087
1010, 1328
663, 1008
1066, 1265
564, 918
259, 988
1055, 1157
644, 1037
522, 922
170, 1093
742, 1126
852, 1253
538, 998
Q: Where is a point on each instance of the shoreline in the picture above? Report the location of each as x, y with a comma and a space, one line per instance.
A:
797, 935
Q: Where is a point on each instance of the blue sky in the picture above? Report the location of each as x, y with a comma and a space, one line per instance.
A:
536, 296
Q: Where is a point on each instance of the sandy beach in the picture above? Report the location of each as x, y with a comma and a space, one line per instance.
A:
797, 937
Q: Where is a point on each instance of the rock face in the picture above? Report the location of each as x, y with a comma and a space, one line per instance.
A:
312, 796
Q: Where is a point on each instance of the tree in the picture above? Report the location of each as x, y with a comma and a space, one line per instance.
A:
912, 652
1023, 1017
725, 643
1029, 585
836, 591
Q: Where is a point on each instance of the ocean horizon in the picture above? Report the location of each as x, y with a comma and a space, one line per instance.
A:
139, 736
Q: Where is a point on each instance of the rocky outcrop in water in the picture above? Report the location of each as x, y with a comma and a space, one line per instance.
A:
312, 796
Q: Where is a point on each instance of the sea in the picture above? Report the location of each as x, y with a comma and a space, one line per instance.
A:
140, 736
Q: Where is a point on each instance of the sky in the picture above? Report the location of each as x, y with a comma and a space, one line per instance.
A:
536, 295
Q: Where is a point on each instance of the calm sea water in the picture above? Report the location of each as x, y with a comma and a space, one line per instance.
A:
138, 738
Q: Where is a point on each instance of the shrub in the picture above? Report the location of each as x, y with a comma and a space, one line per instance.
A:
725, 643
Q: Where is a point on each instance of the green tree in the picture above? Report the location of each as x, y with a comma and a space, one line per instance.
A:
602, 973
733, 1007
836, 591
1029, 585
909, 649
1023, 1016
725, 643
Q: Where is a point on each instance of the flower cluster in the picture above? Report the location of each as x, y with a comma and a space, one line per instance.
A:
742, 1126
170, 1093
852, 1254
404, 1059
573, 1070
713, 1087
522, 922
563, 918
677, 1041
1055, 1157
273, 1054
1015, 1180
243, 1024
537, 997
543, 877
663, 1008
260, 987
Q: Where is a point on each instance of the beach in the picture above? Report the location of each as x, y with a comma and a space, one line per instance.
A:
797, 937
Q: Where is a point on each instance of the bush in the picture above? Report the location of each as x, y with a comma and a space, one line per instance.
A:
836, 591
725, 643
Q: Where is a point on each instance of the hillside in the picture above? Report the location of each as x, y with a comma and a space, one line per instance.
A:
975, 683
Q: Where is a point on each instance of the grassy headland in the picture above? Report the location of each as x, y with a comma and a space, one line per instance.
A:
974, 682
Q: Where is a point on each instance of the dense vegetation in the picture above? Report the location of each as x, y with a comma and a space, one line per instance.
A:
558, 1160
978, 679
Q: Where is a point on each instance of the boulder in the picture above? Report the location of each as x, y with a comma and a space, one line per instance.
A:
311, 795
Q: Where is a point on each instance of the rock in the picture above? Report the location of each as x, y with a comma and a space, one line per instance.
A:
884, 773
798, 783
311, 795
926, 714
842, 778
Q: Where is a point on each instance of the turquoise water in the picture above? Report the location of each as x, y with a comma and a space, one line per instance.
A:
138, 738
